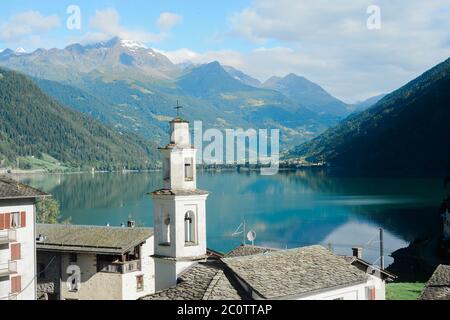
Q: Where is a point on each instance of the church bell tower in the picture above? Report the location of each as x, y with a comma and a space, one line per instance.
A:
179, 210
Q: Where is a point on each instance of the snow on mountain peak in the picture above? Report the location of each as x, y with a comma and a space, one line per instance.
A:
132, 45
21, 50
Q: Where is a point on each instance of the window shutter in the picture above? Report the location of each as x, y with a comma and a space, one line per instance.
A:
372, 293
23, 219
2, 221
16, 284
7, 221
15, 251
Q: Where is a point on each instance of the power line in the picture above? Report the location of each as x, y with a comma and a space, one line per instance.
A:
32, 280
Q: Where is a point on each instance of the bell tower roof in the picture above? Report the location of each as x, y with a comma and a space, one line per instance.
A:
178, 120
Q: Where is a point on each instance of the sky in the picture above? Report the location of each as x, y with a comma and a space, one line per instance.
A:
355, 49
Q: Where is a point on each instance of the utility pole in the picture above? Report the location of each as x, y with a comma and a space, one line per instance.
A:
381, 249
243, 233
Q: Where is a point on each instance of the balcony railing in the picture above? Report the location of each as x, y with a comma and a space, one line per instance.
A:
119, 267
7, 236
8, 268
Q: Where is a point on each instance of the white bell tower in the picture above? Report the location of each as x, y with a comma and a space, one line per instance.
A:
179, 210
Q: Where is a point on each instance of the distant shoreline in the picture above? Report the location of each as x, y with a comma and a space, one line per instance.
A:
46, 172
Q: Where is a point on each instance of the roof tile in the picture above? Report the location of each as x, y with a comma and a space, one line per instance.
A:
73, 238
12, 189
294, 272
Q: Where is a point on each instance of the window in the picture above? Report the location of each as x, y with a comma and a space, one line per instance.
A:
15, 252
139, 283
12, 220
73, 258
189, 227
370, 293
189, 169
15, 220
16, 284
165, 231
166, 169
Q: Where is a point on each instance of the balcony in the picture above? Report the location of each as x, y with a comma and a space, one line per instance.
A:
119, 267
8, 236
8, 268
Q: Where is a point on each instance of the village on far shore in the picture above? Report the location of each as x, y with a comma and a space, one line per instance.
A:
172, 261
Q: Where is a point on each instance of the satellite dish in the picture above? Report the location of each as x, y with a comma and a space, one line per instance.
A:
251, 236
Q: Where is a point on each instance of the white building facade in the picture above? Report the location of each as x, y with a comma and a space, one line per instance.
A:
179, 210
17, 240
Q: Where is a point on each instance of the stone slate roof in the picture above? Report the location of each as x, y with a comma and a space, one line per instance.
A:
269, 272
369, 268
438, 287
90, 239
204, 281
12, 189
172, 192
295, 272
244, 250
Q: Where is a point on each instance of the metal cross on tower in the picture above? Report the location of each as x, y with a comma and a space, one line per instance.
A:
178, 107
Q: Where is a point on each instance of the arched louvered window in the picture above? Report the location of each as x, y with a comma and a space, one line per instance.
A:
189, 227
165, 235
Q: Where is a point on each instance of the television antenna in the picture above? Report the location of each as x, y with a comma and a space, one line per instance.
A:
241, 230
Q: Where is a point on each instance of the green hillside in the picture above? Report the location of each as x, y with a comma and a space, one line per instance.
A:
407, 131
34, 125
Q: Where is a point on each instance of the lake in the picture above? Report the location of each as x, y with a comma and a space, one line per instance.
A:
291, 209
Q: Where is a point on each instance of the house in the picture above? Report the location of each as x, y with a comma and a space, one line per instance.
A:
17, 239
186, 270
94, 263
258, 273
438, 287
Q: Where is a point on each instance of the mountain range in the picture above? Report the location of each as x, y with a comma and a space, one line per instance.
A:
309, 94
133, 88
406, 131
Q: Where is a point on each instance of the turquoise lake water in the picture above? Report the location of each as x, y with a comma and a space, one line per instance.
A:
288, 210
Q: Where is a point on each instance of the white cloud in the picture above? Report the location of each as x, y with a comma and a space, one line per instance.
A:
107, 25
331, 44
26, 24
168, 20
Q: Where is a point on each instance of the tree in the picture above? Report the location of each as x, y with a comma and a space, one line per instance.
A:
47, 211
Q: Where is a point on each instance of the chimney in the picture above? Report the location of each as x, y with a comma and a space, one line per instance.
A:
357, 252
131, 224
